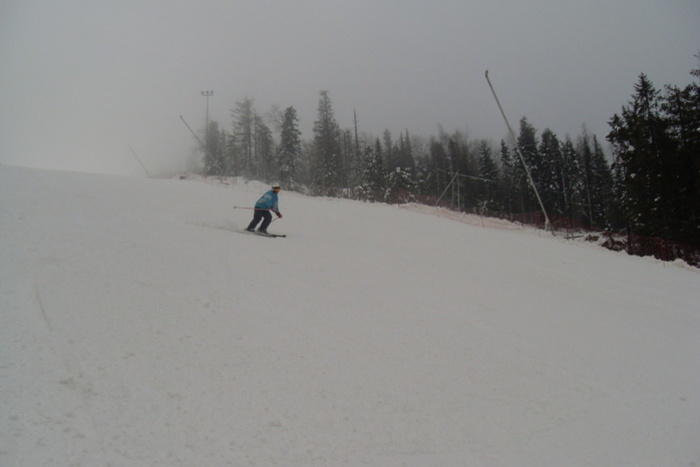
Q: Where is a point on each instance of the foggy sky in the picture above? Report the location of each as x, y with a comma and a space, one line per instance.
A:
81, 81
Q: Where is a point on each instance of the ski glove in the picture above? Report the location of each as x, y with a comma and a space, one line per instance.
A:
279, 214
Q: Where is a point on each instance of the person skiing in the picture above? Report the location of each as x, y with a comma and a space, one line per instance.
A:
267, 202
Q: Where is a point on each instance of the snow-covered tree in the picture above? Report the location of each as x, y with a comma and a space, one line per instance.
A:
372, 184
325, 170
290, 147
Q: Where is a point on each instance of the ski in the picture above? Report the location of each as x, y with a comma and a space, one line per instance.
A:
271, 235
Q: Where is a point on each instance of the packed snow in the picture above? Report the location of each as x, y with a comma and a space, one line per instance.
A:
140, 327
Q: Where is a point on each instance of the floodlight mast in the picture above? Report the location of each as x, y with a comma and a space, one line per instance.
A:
547, 225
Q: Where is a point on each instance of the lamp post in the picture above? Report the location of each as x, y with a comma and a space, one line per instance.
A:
206, 128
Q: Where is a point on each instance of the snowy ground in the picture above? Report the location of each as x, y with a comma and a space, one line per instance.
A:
137, 328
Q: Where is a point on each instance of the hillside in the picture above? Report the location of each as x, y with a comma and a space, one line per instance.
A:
139, 328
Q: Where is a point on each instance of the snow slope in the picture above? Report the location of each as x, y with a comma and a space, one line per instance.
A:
137, 328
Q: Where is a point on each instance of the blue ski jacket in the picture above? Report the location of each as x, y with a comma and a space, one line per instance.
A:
268, 201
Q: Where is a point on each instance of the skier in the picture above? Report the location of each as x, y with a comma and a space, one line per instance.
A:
267, 202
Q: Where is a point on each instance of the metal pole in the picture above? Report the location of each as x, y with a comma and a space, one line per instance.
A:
138, 159
547, 225
206, 151
206, 127
446, 188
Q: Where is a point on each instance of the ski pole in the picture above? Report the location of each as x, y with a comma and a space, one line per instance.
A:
247, 207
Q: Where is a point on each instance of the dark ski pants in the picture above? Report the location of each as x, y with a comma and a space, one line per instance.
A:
263, 214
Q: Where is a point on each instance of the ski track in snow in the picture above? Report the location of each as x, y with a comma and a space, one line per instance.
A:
139, 329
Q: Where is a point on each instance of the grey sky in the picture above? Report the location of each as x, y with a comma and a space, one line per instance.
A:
81, 81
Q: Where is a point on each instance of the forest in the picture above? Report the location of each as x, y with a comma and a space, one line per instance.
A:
644, 197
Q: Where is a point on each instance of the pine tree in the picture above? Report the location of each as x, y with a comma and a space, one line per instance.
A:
513, 185
243, 131
682, 109
213, 151
290, 148
354, 158
405, 158
347, 162
571, 181
586, 157
325, 167
390, 152
642, 148
378, 170
372, 181
230, 155
550, 165
602, 196
264, 151
528, 143
488, 196
400, 186
437, 168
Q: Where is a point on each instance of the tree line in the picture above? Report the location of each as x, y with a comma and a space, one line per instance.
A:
649, 186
